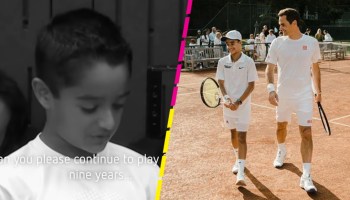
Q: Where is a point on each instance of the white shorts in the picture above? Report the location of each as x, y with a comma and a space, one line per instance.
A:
241, 124
303, 109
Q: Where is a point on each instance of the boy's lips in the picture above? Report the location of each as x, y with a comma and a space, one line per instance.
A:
102, 136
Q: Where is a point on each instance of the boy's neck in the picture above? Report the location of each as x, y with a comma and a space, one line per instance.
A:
58, 144
236, 56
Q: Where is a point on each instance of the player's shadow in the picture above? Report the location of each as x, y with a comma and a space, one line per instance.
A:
322, 191
261, 187
335, 71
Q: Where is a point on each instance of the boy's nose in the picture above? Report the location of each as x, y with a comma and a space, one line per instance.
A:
107, 121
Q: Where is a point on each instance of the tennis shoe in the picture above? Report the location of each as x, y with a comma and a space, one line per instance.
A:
235, 168
280, 157
307, 184
240, 179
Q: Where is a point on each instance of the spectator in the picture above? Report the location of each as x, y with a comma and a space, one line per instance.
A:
212, 36
270, 37
280, 33
327, 36
217, 39
192, 43
250, 47
265, 30
205, 38
198, 37
307, 32
319, 36
261, 48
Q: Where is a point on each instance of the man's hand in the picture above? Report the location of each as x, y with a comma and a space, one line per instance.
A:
273, 98
318, 98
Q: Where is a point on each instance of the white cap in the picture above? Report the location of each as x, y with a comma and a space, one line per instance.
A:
232, 35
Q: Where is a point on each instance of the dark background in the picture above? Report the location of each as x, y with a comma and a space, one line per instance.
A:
152, 27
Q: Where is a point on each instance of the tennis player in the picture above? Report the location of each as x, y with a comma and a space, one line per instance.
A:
293, 54
236, 74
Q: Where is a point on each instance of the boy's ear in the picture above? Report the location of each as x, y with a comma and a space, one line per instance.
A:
42, 92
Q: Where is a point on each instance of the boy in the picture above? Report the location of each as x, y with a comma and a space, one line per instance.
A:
236, 74
83, 77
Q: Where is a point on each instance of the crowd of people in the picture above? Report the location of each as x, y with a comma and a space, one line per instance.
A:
256, 46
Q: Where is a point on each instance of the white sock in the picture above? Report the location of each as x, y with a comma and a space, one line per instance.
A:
241, 164
282, 147
306, 169
235, 151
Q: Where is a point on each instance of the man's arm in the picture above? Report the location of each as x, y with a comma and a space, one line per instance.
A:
316, 77
269, 73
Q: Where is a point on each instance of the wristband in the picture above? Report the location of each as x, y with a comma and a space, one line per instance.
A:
270, 87
226, 97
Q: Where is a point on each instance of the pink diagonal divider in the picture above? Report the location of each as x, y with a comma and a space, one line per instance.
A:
173, 99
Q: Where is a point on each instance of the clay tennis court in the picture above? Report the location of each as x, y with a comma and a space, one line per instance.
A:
200, 156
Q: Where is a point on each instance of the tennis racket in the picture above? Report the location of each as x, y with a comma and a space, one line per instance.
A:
324, 119
210, 93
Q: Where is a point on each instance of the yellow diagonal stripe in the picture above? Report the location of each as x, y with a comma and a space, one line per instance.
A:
166, 142
171, 115
159, 188
162, 166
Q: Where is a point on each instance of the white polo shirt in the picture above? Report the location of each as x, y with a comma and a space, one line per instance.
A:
237, 75
74, 179
294, 59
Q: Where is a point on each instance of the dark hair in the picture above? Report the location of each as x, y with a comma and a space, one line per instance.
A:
16, 103
73, 41
291, 15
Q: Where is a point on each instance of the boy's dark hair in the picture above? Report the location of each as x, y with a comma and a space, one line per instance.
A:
73, 41
15, 101
291, 15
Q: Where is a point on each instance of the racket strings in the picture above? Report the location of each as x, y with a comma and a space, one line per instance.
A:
210, 93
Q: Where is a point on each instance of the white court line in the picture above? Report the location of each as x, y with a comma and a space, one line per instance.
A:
339, 118
188, 84
340, 124
271, 108
187, 93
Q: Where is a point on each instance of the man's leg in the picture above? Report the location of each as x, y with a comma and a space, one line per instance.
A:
306, 148
242, 154
234, 141
281, 134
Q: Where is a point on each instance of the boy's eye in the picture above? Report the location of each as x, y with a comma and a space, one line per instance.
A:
117, 106
89, 110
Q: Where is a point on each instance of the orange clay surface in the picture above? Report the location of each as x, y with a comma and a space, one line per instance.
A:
200, 156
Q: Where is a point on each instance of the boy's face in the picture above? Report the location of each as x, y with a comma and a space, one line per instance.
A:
88, 114
234, 46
